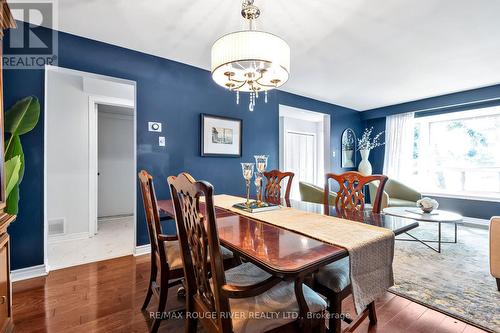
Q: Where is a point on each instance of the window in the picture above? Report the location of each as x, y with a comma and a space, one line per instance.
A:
458, 153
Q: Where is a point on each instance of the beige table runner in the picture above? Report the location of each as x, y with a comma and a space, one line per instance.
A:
371, 248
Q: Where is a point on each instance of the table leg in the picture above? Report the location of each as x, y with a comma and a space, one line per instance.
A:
439, 239
439, 235
303, 307
456, 233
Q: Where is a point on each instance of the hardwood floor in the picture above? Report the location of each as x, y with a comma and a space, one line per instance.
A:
106, 297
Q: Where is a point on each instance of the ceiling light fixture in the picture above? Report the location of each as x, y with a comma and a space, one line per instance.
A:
250, 61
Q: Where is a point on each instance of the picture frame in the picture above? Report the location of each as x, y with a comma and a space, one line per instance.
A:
220, 136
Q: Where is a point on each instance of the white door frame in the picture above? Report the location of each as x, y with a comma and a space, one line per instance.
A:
94, 101
92, 114
316, 143
286, 111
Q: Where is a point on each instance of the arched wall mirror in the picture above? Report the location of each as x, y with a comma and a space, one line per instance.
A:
348, 159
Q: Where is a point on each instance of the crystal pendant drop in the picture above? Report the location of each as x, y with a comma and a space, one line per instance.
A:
251, 104
265, 96
237, 97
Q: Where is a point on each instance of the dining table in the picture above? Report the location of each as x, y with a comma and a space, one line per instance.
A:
287, 254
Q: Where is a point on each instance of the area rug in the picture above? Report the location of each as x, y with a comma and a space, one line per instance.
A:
456, 281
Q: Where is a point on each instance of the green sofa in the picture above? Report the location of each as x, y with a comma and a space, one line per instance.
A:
396, 194
313, 193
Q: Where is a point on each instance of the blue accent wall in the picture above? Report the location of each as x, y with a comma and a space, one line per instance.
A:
169, 92
466, 100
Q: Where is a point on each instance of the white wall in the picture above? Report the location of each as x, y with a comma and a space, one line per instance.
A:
67, 151
67, 143
116, 181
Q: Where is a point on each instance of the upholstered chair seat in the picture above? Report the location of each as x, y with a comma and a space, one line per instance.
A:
335, 276
174, 256
279, 300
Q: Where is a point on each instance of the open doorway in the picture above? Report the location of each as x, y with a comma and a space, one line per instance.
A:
304, 146
90, 167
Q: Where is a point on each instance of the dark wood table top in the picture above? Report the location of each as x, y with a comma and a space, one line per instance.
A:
282, 252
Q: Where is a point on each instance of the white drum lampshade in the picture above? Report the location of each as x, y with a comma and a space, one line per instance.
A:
250, 61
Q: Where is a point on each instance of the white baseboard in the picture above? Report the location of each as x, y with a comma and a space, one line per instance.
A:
28, 273
68, 237
142, 249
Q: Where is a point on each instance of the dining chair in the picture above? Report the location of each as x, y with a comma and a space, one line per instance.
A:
333, 280
233, 297
351, 194
165, 252
272, 191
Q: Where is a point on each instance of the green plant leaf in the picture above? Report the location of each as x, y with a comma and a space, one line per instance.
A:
23, 116
12, 203
16, 149
12, 168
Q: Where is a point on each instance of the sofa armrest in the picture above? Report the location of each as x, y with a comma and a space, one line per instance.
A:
495, 246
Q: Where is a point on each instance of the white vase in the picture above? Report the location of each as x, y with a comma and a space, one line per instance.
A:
365, 167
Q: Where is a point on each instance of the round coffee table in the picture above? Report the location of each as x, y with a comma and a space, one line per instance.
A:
437, 216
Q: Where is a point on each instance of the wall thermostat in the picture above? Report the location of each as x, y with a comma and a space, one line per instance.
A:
154, 126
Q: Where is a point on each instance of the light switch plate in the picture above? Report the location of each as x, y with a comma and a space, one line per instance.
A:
161, 141
154, 126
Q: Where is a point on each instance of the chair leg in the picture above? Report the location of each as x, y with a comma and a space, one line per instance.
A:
372, 314
319, 324
191, 321
498, 284
162, 301
152, 278
335, 313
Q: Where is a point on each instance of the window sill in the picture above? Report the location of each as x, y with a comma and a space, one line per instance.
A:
458, 196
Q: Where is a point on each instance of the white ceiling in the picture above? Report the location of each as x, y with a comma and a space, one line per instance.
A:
360, 54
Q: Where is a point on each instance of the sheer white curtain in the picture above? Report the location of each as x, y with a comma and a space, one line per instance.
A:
399, 136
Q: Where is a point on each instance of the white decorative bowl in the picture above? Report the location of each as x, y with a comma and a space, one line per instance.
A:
427, 205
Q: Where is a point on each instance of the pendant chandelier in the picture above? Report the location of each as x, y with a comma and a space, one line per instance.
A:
250, 61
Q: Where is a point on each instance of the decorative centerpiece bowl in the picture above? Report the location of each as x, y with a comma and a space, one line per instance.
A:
427, 205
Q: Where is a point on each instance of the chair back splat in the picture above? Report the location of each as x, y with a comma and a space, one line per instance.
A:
272, 191
350, 198
199, 241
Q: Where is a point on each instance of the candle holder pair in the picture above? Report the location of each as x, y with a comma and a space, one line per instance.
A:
248, 173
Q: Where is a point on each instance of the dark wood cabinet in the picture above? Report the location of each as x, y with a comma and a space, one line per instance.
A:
6, 322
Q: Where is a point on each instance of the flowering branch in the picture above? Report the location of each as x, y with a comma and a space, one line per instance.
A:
366, 143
